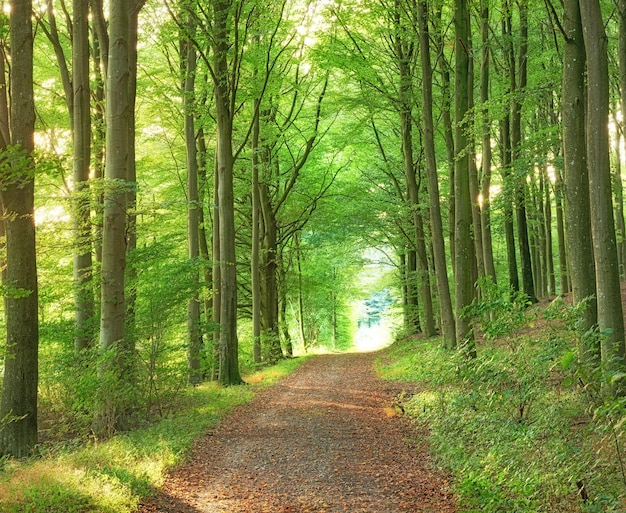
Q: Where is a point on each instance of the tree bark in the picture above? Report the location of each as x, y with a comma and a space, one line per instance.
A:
485, 211
463, 214
517, 87
441, 267
505, 155
610, 316
255, 257
404, 51
228, 347
18, 406
81, 136
194, 334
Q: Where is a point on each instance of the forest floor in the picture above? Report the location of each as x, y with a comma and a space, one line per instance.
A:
325, 439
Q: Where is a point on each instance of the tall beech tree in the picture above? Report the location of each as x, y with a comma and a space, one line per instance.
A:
463, 216
114, 339
189, 59
18, 406
81, 137
439, 250
576, 182
405, 49
518, 69
224, 90
610, 315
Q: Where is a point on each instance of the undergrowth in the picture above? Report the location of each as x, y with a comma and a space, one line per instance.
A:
520, 427
112, 476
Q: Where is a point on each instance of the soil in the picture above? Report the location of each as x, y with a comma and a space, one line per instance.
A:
326, 439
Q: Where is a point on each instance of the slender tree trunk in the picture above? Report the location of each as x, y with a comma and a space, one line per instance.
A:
194, 334
205, 254
217, 277
113, 304
518, 87
441, 268
300, 295
255, 256
403, 53
618, 190
610, 315
505, 153
622, 83
99, 141
446, 117
18, 406
463, 217
81, 135
269, 286
476, 231
229, 353
485, 211
131, 190
547, 212
564, 281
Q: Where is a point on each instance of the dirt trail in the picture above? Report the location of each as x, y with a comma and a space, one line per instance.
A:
322, 440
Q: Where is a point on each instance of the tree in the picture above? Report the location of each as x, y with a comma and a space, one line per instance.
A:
443, 287
404, 48
518, 85
194, 334
463, 215
610, 315
18, 407
81, 135
486, 162
576, 182
114, 339
224, 98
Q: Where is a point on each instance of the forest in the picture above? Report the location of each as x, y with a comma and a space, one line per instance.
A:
193, 191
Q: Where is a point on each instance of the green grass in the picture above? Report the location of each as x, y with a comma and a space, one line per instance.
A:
112, 476
514, 427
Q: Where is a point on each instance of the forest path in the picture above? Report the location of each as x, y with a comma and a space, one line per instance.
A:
322, 440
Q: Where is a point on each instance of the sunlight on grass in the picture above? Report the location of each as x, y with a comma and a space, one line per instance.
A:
511, 426
112, 476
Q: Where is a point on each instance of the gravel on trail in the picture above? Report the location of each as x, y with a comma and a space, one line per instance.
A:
325, 439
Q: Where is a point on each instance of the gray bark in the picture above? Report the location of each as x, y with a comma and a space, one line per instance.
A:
610, 316
18, 406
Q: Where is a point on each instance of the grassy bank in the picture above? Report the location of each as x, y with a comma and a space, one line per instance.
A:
520, 428
111, 476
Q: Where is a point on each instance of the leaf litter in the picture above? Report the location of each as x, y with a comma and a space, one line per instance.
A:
325, 439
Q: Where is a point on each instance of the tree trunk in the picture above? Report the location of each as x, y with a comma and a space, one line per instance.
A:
99, 140
404, 49
621, 51
509, 233
217, 275
229, 357
131, 189
564, 275
81, 135
547, 214
485, 211
463, 217
517, 87
446, 117
113, 401
194, 334
255, 257
610, 316
18, 406
441, 267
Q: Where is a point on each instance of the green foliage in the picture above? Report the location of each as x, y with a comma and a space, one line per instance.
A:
514, 425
